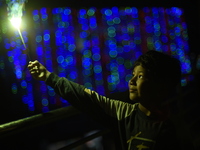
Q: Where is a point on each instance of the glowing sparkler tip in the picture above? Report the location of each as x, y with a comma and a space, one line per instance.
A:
16, 22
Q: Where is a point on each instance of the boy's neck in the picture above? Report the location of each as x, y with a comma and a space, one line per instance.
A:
144, 110
160, 113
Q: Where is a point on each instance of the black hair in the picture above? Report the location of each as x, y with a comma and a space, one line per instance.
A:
161, 67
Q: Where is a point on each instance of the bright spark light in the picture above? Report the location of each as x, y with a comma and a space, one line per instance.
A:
15, 11
16, 22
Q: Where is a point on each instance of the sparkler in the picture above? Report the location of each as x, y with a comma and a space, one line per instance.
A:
15, 12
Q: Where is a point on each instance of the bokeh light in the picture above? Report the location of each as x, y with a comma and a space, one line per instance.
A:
94, 47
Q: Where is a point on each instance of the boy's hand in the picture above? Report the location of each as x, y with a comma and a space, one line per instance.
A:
38, 71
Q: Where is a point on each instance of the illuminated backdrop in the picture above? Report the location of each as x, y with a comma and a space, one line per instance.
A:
92, 46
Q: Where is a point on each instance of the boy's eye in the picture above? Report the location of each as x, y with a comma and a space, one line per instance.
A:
140, 76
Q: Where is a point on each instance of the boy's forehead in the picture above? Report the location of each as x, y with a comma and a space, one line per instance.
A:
139, 68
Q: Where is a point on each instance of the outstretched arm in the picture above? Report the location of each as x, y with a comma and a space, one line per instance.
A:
82, 98
38, 71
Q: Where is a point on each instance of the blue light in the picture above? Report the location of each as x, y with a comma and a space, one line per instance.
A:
176, 11
117, 20
38, 38
112, 45
120, 49
71, 47
134, 10
45, 102
115, 10
51, 93
45, 109
114, 67
157, 44
59, 10
25, 99
14, 88
108, 12
67, 11
7, 46
63, 39
69, 59
87, 62
43, 11
60, 59
128, 77
164, 39
120, 60
90, 12
84, 34
93, 23
18, 73
35, 12
58, 33
44, 17
149, 29
173, 46
73, 75
39, 50
82, 13
62, 24
87, 53
23, 84
46, 37
36, 17
88, 85
96, 57
113, 53
97, 69
157, 26
87, 72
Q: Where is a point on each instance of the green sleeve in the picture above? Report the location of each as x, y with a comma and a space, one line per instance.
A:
87, 100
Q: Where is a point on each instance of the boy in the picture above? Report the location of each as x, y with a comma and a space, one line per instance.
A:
143, 125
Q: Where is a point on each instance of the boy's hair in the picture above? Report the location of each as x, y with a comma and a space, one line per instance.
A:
161, 67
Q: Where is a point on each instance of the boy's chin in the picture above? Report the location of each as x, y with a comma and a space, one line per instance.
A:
134, 98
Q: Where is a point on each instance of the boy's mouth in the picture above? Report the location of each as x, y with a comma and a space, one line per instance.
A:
132, 90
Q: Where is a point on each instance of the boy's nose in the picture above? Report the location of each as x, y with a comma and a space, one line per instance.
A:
132, 81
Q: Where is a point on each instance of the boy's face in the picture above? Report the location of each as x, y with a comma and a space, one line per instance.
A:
142, 88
